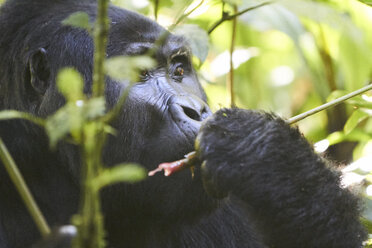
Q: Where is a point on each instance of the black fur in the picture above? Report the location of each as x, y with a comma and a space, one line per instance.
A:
294, 196
158, 123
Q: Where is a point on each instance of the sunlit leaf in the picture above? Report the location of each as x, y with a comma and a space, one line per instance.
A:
368, 2
275, 17
95, 107
336, 94
233, 2
354, 120
197, 38
128, 67
355, 135
66, 119
355, 61
360, 103
70, 84
13, 114
128, 173
78, 20
70, 119
335, 138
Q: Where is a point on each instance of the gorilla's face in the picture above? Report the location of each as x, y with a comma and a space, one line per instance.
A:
159, 122
163, 112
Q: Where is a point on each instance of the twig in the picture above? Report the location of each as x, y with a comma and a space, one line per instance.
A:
23, 190
227, 17
335, 102
100, 42
188, 13
231, 73
156, 9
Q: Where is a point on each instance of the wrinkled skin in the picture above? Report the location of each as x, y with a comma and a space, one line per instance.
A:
159, 122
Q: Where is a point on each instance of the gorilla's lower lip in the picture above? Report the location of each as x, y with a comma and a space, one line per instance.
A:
187, 126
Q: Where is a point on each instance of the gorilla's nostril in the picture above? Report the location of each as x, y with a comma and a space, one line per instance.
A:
205, 113
191, 113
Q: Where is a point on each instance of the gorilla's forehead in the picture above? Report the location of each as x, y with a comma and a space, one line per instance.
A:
171, 47
132, 33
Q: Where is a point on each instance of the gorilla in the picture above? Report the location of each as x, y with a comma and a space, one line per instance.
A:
259, 185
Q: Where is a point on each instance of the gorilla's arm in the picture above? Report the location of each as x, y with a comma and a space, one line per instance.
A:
291, 192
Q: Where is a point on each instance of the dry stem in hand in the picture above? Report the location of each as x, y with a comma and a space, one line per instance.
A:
172, 167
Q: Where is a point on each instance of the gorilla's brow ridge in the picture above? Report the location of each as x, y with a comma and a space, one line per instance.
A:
138, 48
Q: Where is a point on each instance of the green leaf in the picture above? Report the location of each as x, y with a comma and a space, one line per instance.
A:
360, 103
13, 114
94, 108
128, 67
354, 120
71, 118
79, 20
129, 173
336, 94
66, 119
368, 2
355, 135
233, 2
197, 38
70, 83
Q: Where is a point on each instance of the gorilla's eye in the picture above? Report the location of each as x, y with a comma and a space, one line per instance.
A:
144, 74
179, 71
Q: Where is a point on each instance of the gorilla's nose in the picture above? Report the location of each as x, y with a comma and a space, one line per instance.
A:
189, 110
194, 108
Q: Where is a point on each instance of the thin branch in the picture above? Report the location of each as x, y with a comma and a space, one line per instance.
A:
156, 9
101, 30
188, 13
23, 190
328, 105
227, 17
231, 73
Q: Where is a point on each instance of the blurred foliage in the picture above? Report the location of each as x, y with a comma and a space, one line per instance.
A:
290, 56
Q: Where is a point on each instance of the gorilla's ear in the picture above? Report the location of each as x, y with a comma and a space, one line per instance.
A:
39, 71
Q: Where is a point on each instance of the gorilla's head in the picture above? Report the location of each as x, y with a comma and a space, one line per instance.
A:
160, 118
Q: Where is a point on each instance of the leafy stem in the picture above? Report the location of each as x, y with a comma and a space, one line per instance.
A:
89, 220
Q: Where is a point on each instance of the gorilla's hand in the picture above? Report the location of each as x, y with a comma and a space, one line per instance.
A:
258, 158
238, 145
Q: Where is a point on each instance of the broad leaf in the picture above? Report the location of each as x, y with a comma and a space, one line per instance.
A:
197, 38
65, 120
360, 103
70, 119
78, 20
94, 108
233, 2
70, 84
368, 2
354, 120
128, 67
